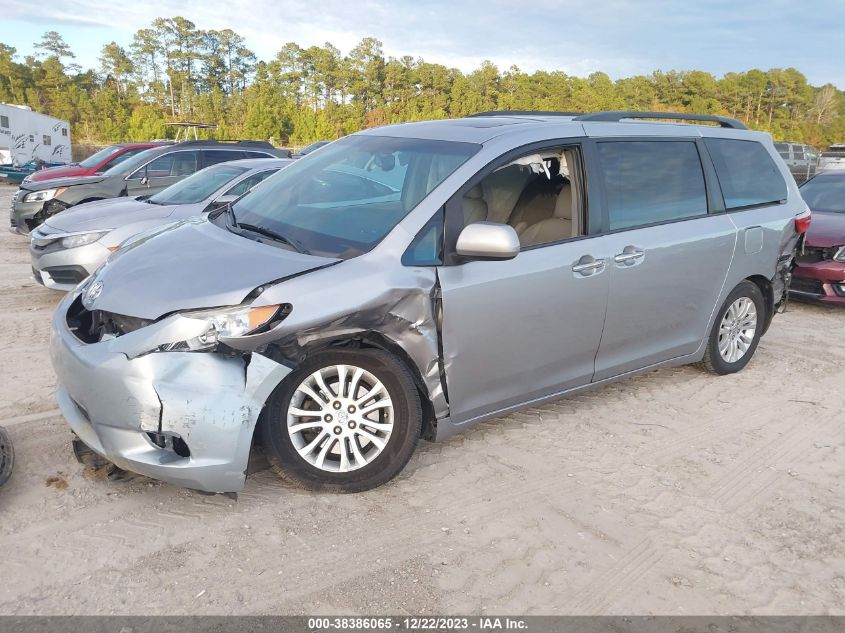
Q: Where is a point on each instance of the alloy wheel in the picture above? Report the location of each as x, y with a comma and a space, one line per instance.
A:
736, 332
340, 418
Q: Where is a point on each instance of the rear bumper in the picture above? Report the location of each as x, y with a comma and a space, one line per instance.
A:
822, 282
143, 410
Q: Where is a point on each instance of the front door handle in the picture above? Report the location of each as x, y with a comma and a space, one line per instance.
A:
588, 265
629, 255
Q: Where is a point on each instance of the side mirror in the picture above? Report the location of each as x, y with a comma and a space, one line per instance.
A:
222, 201
488, 240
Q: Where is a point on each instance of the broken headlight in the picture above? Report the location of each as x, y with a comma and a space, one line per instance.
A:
224, 323
43, 195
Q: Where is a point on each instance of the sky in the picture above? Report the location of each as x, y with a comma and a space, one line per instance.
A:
621, 38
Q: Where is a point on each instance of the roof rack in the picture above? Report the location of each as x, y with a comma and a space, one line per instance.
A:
616, 116
522, 113
264, 144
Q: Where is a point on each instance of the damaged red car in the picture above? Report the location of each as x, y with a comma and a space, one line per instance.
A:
819, 273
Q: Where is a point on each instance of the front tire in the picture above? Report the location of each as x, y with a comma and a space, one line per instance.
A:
736, 330
344, 420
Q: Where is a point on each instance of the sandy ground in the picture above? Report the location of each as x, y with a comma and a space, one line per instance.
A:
673, 493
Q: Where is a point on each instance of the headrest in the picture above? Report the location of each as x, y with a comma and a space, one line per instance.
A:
563, 204
475, 193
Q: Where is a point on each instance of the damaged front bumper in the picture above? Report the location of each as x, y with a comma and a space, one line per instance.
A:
186, 418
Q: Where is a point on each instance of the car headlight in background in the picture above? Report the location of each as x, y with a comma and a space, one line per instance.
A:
81, 239
43, 195
224, 323
839, 256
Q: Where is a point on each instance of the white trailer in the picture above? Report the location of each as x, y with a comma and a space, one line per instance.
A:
26, 135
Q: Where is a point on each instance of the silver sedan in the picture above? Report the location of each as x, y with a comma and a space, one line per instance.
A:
71, 245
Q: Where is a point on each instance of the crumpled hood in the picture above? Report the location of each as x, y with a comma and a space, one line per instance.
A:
826, 230
107, 214
55, 183
191, 265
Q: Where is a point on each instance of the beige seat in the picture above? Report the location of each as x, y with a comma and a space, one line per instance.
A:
502, 189
475, 209
553, 229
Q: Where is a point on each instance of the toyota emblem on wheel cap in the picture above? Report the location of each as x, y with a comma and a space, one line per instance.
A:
92, 293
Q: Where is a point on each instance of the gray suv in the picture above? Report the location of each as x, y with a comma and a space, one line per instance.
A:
142, 175
412, 280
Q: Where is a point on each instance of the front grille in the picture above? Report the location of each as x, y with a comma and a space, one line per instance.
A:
815, 254
92, 326
810, 286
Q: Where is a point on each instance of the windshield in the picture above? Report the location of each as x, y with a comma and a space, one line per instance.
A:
131, 163
199, 186
342, 200
99, 157
825, 193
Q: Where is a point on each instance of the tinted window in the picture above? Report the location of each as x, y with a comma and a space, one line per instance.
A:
248, 183
258, 155
798, 152
651, 181
825, 193
328, 205
783, 149
215, 156
747, 174
171, 164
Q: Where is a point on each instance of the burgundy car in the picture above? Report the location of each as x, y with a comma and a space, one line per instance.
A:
95, 164
819, 274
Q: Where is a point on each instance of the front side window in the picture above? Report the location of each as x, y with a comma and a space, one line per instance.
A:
199, 186
344, 199
172, 164
747, 174
538, 194
647, 182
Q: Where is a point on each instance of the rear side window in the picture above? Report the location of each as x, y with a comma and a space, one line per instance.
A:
747, 174
215, 156
647, 182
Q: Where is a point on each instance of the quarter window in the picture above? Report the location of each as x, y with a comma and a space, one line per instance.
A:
747, 174
647, 182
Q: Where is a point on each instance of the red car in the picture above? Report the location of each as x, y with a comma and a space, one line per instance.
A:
820, 271
95, 164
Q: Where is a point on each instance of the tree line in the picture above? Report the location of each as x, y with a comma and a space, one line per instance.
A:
174, 71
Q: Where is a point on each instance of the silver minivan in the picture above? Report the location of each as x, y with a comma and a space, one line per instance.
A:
411, 280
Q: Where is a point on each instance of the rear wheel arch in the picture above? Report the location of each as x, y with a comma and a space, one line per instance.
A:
765, 286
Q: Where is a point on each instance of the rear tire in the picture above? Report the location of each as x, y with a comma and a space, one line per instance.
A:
736, 330
7, 456
323, 436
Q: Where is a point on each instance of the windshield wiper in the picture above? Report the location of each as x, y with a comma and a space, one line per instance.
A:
252, 228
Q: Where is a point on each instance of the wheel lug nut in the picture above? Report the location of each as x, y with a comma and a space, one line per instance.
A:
352, 425
328, 417
351, 408
336, 404
338, 430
